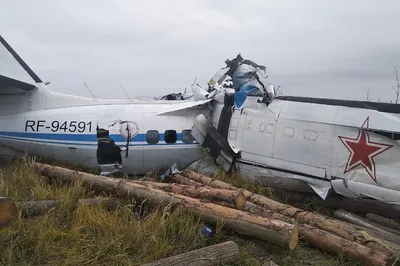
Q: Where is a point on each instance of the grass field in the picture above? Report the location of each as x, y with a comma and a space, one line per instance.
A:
131, 234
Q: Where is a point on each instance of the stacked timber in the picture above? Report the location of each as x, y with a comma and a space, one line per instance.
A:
248, 213
274, 231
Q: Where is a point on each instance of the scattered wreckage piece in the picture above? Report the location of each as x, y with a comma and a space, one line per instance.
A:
273, 231
288, 184
382, 221
236, 197
33, 208
337, 227
218, 254
8, 212
391, 235
209, 137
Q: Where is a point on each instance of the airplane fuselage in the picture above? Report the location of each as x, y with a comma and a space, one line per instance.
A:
354, 150
325, 145
70, 134
350, 146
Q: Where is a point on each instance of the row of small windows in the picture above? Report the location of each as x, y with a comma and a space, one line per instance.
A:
170, 136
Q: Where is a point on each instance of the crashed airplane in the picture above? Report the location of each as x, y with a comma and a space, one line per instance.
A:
350, 147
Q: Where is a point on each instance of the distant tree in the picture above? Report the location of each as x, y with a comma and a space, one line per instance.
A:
278, 91
369, 99
397, 87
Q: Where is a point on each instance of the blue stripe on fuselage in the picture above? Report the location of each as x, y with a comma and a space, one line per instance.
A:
84, 139
94, 144
78, 137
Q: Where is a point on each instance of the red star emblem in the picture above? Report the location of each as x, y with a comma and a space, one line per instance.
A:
363, 150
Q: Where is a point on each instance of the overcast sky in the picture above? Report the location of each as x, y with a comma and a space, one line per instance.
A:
318, 48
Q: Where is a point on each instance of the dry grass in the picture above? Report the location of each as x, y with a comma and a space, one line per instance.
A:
132, 234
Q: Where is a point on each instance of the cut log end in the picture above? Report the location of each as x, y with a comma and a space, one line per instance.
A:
294, 238
8, 212
240, 200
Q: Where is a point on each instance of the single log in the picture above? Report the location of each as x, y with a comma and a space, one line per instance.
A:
33, 208
355, 219
334, 244
342, 229
388, 223
258, 210
208, 181
219, 254
214, 194
273, 231
372, 225
180, 179
8, 212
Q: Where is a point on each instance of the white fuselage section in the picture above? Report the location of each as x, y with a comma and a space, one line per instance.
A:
69, 134
326, 146
322, 144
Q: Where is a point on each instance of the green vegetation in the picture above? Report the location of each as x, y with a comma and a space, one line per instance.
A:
131, 234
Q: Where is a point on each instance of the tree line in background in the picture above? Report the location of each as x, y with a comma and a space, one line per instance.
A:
396, 89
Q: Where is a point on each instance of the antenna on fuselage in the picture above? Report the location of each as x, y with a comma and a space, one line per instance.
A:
89, 90
125, 92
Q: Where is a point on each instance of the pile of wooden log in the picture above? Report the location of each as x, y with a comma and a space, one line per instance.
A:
252, 214
294, 190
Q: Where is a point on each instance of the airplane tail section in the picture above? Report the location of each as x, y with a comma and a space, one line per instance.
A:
18, 83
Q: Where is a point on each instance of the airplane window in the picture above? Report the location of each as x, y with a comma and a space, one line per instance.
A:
187, 136
152, 136
170, 136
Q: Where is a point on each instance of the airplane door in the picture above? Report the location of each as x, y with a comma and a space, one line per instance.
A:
258, 131
126, 147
